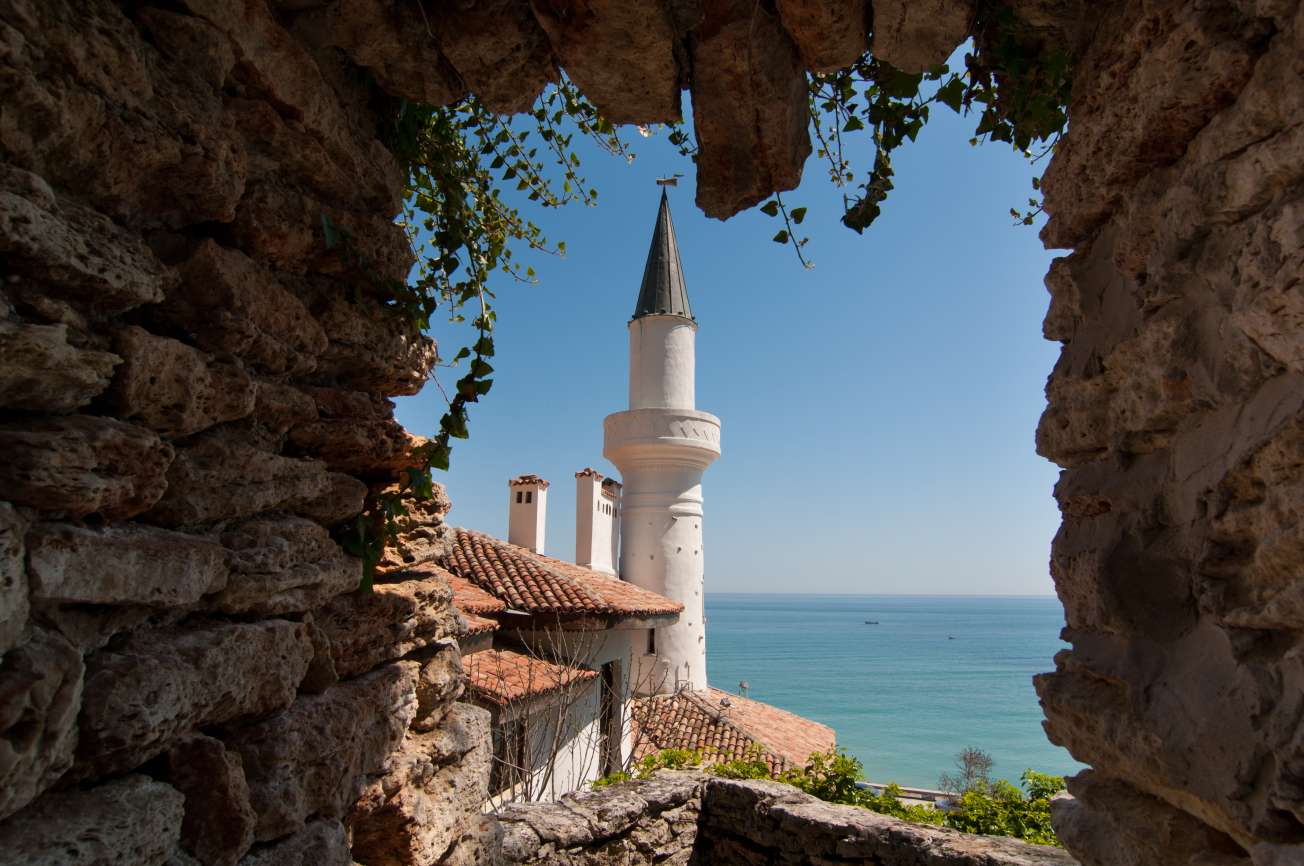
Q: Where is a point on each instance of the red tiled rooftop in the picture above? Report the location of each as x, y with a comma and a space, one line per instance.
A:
534, 583
696, 720
478, 624
501, 676
472, 599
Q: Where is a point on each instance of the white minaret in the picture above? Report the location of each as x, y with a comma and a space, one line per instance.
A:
527, 511
662, 445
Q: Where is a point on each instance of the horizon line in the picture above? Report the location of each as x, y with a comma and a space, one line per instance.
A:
896, 594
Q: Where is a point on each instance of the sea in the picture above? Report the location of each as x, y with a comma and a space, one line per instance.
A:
931, 676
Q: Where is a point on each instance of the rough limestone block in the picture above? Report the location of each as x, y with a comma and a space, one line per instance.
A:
913, 35
441, 681
174, 389
750, 109
435, 784
80, 465
218, 476
499, 50
314, 758
159, 684
41, 371
132, 821
218, 827
341, 500
80, 254
625, 57
371, 348
228, 303
321, 843
394, 43
391, 621
830, 34
41, 681
122, 565
354, 432
283, 565
14, 604
1108, 823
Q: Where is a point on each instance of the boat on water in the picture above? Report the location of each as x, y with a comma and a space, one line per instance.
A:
871, 622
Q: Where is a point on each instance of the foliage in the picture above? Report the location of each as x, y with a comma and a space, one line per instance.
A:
666, 759
1004, 810
1017, 86
973, 771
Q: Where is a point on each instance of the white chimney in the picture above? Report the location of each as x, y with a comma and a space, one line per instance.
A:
527, 511
597, 521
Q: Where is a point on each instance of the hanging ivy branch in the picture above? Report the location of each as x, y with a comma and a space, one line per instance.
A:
457, 162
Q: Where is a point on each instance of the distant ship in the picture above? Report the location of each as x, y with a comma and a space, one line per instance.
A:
871, 622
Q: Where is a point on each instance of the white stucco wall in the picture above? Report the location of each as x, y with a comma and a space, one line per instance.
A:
527, 520
662, 363
596, 521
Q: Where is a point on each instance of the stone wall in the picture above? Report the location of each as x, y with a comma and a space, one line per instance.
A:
192, 397
680, 818
1177, 412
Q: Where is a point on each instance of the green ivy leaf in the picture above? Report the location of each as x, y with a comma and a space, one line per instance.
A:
770, 208
781, 237
798, 214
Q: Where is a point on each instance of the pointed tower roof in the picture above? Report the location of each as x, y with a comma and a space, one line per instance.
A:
663, 292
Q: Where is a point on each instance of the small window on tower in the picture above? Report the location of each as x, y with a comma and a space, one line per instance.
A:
651, 641
519, 495
529, 496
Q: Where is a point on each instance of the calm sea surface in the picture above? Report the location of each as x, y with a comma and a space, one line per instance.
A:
903, 695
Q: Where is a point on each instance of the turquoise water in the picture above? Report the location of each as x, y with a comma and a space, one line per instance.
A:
902, 696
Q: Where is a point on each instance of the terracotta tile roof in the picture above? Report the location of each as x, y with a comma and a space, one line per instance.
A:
500, 676
478, 624
472, 599
695, 720
535, 583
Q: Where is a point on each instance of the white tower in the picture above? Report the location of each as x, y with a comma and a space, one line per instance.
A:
527, 511
662, 445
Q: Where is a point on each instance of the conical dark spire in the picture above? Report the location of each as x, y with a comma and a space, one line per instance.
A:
663, 292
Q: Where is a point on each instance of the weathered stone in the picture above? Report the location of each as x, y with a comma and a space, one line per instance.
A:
132, 821
395, 42
321, 673
40, 370
499, 50
282, 565
440, 681
227, 303
750, 109
141, 694
391, 621
218, 826
913, 36
1129, 114
122, 565
83, 255
195, 46
831, 34
321, 843
14, 603
95, 114
435, 783
422, 535
41, 683
314, 758
218, 477
278, 406
624, 56
341, 500
354, 433
1108, 823
174, 389
371, 347
79, 465
281, 226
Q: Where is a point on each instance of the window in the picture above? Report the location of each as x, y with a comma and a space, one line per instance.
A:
651, 641
519, 496
609, 716
511, 755
529, 496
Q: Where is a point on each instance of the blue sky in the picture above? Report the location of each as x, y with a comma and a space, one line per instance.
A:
878, 410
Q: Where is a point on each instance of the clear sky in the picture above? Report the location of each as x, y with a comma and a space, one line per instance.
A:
878, 410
